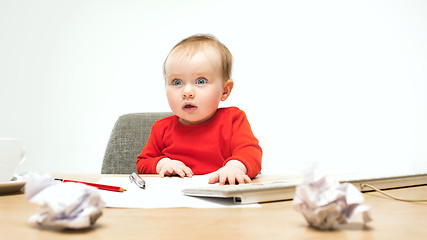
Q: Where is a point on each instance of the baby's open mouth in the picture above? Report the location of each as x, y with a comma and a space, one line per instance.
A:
189, 107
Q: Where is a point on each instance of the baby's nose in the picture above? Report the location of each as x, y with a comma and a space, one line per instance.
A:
188, 92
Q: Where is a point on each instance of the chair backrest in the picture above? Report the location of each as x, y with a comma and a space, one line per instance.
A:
129, 136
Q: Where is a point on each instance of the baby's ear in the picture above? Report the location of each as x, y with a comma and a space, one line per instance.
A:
226, 90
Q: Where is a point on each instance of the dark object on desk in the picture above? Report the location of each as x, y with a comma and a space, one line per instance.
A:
128, 137
134, 177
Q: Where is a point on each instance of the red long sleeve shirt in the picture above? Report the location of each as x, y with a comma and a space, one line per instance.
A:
204, 147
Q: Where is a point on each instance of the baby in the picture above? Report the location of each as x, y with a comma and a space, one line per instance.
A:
201, 138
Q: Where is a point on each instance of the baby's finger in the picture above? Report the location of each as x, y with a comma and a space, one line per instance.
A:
166, 171
213, 178
222, 179
231, 179
162, 173
247, 179
178, 170
188, 171
242, 179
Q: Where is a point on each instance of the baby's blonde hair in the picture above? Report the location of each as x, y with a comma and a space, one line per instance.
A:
195, 43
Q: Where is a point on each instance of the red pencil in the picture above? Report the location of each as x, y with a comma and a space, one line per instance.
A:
99, 186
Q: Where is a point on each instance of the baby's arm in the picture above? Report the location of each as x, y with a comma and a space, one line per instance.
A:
233, 171
168, 167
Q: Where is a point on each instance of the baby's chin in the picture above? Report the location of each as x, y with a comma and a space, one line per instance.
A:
193, 121
194, 118
190, 121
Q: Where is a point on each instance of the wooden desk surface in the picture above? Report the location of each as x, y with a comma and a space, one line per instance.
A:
391, 220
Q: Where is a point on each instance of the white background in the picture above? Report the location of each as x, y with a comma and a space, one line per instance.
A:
340, 82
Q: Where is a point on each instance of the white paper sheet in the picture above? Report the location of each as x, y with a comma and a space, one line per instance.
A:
161, 193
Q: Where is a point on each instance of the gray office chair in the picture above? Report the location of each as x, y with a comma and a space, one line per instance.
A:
129, 136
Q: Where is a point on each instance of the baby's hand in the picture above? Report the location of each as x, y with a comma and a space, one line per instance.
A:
168, 167
232, 171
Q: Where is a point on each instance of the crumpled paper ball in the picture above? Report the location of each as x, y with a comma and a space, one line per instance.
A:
63, 205
324, 202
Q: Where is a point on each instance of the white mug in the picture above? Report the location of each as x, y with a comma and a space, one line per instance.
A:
12, 155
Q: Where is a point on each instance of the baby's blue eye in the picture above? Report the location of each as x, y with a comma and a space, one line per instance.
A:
201, 81
177, 82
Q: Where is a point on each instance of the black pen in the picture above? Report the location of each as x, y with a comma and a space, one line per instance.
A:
134, 177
